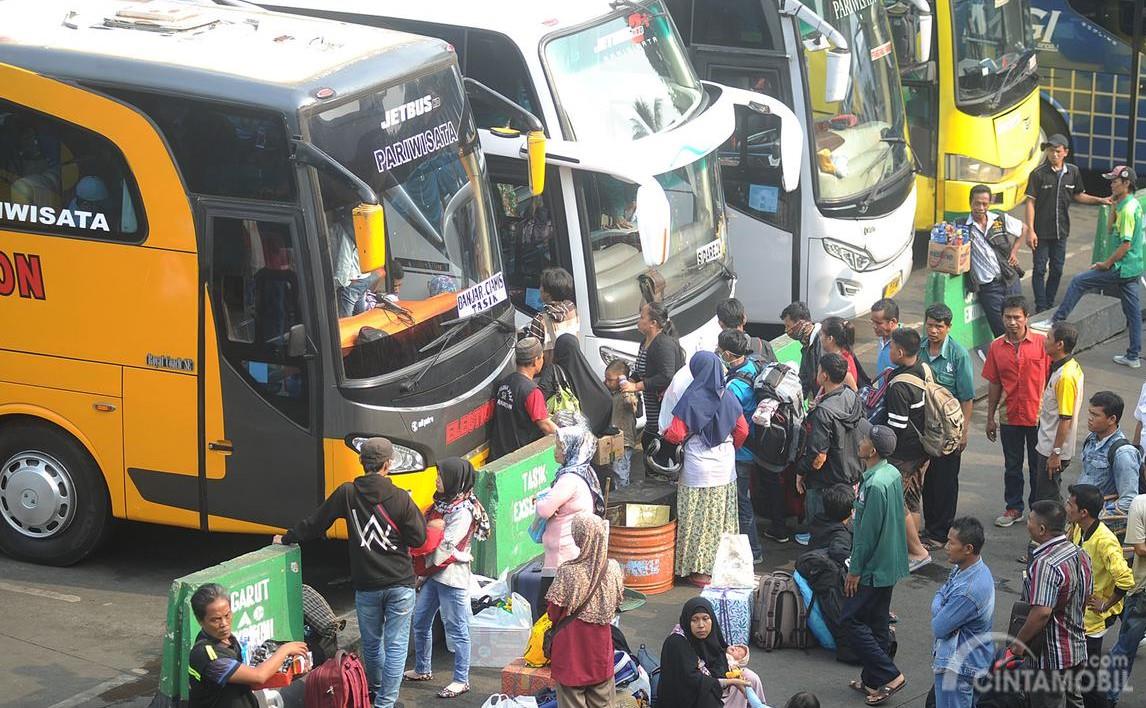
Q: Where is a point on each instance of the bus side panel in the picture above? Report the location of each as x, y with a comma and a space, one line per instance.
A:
101, 432
926, 207
160, 435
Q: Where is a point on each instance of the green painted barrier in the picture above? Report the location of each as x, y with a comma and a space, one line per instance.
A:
506, 488
1101, 248
969, 326
787, 350
266, 603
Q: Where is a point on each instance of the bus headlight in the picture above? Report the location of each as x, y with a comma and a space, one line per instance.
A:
857, 259
406, 460
608, 354
968, 169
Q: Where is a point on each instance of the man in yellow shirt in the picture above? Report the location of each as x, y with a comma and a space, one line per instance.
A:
1112, 576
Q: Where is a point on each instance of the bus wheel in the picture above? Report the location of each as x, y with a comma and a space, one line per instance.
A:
1050, 122
54, 506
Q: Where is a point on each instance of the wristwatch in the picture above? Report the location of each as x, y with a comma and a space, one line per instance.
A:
1057, 451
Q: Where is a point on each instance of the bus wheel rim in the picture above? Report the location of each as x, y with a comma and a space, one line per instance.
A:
37, 495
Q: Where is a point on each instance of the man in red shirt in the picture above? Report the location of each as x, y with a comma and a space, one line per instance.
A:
1016, 367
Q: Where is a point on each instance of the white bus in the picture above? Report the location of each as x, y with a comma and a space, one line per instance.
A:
634, 139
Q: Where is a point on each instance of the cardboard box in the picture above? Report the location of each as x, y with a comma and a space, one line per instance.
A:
945, 258
636, 516
517, 679
610, 447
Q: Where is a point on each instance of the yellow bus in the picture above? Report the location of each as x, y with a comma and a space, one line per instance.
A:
972, 100
232, 244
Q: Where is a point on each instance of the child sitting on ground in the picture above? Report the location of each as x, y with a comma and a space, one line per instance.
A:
626, 410
829, 529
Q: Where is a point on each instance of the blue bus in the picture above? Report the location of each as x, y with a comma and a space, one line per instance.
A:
1085, 68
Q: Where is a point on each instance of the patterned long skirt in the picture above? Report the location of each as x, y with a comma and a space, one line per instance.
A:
702, 515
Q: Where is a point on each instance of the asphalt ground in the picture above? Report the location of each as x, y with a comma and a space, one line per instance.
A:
91, 635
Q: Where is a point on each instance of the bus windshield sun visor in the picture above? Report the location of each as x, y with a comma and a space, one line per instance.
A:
312, 156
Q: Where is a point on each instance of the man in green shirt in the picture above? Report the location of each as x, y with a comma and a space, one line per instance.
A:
951, 366
878, 562
1121, 268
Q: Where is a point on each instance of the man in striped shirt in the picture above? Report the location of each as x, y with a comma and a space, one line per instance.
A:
1058, 583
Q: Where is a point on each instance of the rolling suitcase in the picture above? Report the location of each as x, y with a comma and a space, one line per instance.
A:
525, 580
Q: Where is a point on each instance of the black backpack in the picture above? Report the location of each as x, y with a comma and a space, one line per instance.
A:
774, 445
1114, 447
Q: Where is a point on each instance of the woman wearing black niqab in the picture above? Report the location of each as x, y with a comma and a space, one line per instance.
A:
693, 668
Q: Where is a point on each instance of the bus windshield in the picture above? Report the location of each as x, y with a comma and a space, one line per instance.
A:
415, 144
859, 141
994, 47
624, 78
698, 251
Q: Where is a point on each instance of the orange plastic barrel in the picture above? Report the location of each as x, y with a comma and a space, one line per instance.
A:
646, 556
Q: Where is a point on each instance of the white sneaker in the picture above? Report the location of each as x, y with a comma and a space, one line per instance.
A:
1124, 360
1042, 325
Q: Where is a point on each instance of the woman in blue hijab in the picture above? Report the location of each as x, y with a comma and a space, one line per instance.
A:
709, 422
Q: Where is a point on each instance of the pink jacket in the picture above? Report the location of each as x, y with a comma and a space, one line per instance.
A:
568, 497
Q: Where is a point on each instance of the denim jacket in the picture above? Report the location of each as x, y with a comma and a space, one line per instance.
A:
1123, 481
961, 616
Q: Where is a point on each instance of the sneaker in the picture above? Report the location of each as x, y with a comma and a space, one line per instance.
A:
1042, 325
982, 353
803, 538
778, 534
914, 565
1123, 360
1009, 517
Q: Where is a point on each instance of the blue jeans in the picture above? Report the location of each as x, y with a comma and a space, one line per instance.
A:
1129, 635
1097, 280
991, 298
954, 691
1046, 283
454, 604
384, 621
745, 513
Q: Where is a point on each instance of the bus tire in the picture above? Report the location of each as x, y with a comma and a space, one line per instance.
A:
1050, 122
54, 505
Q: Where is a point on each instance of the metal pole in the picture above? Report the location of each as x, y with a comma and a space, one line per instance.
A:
1135, 62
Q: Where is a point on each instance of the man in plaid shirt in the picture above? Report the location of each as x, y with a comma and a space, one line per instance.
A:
1058, 583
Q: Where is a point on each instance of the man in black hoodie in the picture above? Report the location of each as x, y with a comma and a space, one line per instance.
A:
830, 455
384, 524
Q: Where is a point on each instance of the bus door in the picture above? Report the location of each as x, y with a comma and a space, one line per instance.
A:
264, 454
763, 219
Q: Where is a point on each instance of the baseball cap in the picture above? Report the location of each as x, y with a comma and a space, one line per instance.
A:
1122, 172
375, 452
527, 349
882, 437
1056, 140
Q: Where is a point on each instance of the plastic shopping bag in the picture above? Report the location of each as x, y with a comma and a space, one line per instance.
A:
535, 650
733, 566
501, 700
514, 613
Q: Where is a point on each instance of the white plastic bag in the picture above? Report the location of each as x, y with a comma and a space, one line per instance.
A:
733, 566
520, 615
481, 586
501, 700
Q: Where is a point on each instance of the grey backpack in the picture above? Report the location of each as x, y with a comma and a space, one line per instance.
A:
779, 619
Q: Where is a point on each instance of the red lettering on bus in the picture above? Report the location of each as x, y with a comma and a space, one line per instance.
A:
469, 422
29, 275
7, 277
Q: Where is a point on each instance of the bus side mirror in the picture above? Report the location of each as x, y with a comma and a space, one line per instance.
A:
923, 39
535, 150
653, 223
296, 341
838, 75
370, 236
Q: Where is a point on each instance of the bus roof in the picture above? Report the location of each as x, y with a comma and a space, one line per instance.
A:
525, 22
199, 49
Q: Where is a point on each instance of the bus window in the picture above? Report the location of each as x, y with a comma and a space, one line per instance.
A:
750, 168
733, 23
496, 62
920, 101
528, 240
58, 178
222, 150
257, 299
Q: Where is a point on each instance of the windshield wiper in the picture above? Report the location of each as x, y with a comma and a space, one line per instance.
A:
1023, 60
455, 325
635, 5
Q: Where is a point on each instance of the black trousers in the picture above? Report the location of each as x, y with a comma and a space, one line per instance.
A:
941, 495
864, 621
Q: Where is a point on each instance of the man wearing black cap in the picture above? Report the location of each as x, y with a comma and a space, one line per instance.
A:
1051, 188
1122, 267
520, 416
384, 524
878, 562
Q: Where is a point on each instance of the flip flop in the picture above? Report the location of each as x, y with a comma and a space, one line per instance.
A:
415, 677
449, 693
883, 693
858, 686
